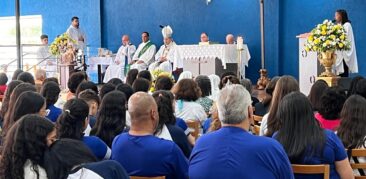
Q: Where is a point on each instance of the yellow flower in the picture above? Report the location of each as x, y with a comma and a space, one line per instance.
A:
316, 41
315, 48
328, 42
333, 37
324, 27
342, 37
324, 33
310, 38
341, 45
307, 49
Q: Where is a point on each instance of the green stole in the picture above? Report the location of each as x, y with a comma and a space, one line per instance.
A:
143, 50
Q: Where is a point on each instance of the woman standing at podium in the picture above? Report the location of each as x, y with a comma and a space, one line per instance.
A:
346, 60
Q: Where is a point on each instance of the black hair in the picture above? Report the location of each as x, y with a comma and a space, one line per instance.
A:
105, 89
115, 81
353, 123
86, 85
316, 92
141, 84
44, 36
299, 133
111, 118
74, 81
361, 88
70, 124
64, 155
332, 102
74, 18
50, 91
205, 85
89, 95
352, 88
16, 74
126, 89
26, 140
26, 77
344, 16
3, 78
164, 83
145, 74
147, 33
50, 79
164, 101
131, 76
5, 103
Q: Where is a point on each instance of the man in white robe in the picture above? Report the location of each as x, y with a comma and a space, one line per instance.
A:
76, 33
144, 54
168, 54
123, 58
45, 60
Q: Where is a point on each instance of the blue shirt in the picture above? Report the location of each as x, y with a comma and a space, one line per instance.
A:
231, 152
333, 151
108, 169
149, 156
54, 113
182, 124
98, 147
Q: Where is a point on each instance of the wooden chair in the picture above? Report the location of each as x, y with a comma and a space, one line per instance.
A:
356, 166
311, 169
136, 177
1, 98
256, 129
195, 125
257, 119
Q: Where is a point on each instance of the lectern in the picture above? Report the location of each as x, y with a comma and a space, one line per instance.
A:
65, 72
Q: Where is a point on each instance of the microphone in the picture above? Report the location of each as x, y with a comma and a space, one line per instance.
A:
161, 26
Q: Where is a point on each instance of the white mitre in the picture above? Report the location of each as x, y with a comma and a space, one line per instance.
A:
167, 32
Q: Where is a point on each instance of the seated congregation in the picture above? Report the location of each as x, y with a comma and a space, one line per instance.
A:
197, 127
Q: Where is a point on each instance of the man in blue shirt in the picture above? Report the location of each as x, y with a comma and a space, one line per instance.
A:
140, 152
232, 152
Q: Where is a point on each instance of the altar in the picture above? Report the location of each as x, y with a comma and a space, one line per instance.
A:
98, 62
213, 59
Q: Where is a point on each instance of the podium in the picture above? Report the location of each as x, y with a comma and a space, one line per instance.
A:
65, 72
309, 67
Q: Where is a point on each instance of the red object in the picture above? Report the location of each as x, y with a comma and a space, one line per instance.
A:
2, 89
326, 123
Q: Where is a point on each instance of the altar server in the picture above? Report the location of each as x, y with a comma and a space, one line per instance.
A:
122, 60
45, 60
346, 60
168, 54
144, 54
76, 33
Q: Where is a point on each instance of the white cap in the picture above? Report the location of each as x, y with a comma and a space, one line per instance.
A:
167, 31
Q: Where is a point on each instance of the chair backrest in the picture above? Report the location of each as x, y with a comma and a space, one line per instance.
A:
358, 153
256, 129
136, 177
311, 169
257, 119
195, 126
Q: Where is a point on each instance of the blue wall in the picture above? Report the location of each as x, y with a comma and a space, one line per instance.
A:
106, 20
57, 16
301, 16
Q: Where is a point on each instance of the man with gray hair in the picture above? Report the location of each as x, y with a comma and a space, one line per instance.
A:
139, 151
232, 152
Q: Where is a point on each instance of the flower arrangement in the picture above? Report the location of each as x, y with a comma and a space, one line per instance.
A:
158, 73
327, 37
60, 45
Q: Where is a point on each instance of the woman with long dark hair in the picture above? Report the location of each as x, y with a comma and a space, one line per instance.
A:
262, 107
131, 76
5, 103
72, 123
284, 86
111, 119
68, 158
352, 130
51, 91
205, 85
346, 60
166, 128
305, 142
352, 88
24, 147
316, 92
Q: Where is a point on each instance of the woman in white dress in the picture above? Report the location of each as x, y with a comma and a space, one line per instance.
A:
346, 60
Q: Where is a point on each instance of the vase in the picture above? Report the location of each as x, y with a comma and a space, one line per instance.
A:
327, 59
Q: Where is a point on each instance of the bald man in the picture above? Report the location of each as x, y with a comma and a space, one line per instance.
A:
140, 152
120, 66
230, 39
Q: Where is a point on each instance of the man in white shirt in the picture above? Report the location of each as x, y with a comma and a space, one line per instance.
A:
45, 60
168, 54
76, 33
124, 56
230, 39
144, 54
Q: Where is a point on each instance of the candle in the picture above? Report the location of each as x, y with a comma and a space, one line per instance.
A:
240, 43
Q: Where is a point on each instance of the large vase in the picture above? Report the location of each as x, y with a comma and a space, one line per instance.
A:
327, 59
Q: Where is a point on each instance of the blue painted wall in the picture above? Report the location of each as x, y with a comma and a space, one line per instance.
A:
57, 16
301, 16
